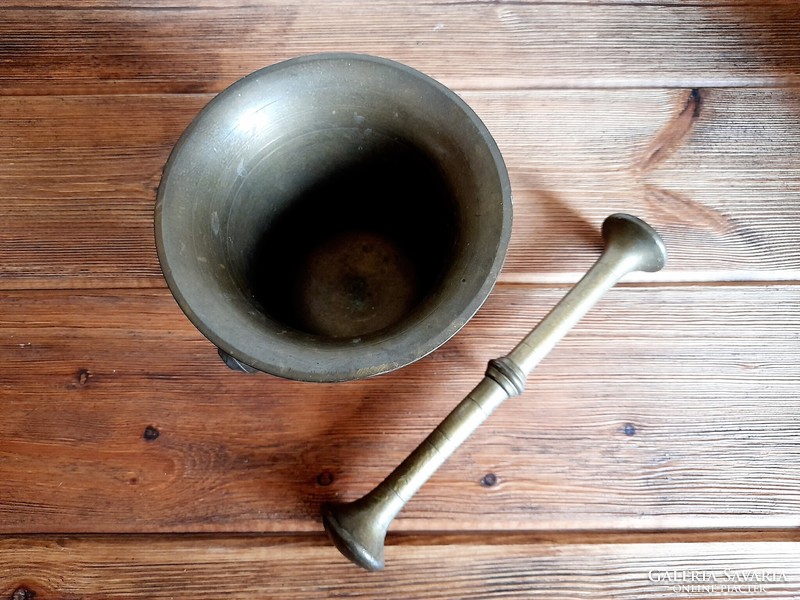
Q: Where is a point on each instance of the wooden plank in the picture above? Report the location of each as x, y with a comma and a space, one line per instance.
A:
55, 568
668, 407
228, 4
78, 178
699, 165
498, 45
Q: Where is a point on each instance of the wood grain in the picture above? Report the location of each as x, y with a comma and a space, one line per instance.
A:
197, 48
346, 4
62, 568
78, 178
668, 407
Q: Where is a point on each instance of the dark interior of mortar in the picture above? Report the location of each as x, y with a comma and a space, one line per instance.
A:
360, 248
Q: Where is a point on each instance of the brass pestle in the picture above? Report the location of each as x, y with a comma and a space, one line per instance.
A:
358, 528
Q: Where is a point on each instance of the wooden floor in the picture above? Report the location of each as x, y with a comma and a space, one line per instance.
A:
656, 453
